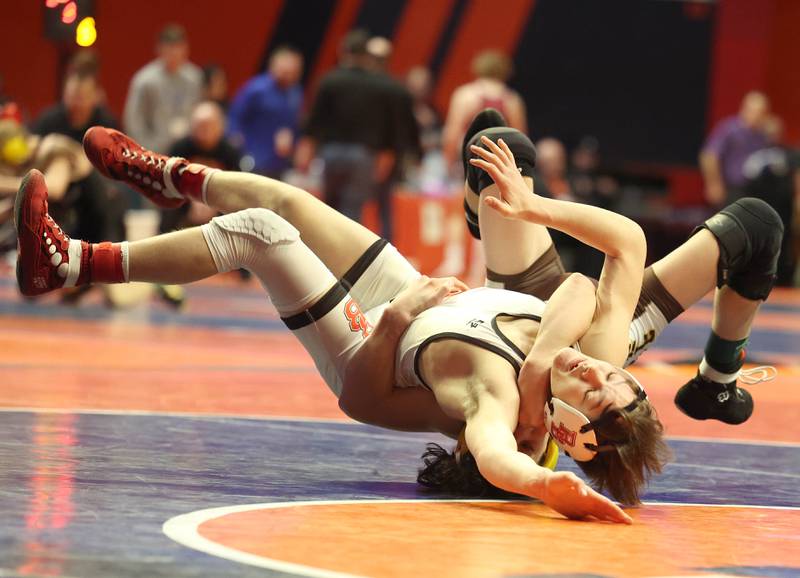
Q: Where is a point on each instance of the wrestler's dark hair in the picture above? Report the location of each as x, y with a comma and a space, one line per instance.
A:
639, 452
442, 472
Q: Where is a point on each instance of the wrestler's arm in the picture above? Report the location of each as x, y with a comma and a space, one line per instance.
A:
491, 441
567, 315
566, 318
369, 394
621, 239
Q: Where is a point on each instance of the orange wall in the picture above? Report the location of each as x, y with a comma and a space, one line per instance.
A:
783, 73
27, 63
126, 40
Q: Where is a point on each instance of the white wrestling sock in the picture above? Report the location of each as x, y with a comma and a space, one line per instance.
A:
713, 375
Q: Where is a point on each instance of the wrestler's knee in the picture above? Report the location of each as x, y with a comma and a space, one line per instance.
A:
520, 145
237, 239
749, 234
477, 179
262, 224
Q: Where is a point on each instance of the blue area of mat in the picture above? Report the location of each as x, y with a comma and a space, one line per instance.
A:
92, 491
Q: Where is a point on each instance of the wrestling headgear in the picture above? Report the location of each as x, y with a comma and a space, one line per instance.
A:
574, 432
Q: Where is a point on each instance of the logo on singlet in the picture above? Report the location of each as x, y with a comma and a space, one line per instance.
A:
475, 322
647, 339
356, 319
563, 435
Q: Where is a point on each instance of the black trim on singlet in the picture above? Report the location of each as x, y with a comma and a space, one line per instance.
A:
467, 339
338, 292
355, 272
502, 335
318, 310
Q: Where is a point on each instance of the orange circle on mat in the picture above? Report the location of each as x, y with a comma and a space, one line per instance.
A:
471, 539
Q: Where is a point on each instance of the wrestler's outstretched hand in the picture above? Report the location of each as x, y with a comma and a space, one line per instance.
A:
516, 201
424, 293
567, 494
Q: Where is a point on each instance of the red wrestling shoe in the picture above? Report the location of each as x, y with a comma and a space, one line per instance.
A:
48, 259
119, 157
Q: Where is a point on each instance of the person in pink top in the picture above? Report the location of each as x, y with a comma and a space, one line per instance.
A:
492, 69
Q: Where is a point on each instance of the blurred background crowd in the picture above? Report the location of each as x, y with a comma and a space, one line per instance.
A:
663, 111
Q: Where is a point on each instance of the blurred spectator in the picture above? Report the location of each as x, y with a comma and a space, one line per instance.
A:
264, 114
91, 206
588, 184
77, 195
551, 170
352, 123
732, 140
163, 92
204, 144
773, 174
491, 69
81, 105
553, 179
215, 85
429, 123
404, 135
432, 175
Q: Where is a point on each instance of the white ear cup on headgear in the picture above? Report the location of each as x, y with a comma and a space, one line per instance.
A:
564, 424
574, 432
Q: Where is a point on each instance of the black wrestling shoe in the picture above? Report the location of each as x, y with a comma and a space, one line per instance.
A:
703, 399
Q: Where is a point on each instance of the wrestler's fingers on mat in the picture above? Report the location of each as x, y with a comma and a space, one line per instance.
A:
611, 512
607, 510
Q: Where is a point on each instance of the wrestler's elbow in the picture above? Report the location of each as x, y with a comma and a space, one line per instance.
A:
356, 406
638, 242
579, 283
632, 246
349, 403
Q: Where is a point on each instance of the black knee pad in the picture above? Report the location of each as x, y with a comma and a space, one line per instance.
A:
524, 155
520, 145
749, 233
487, 118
